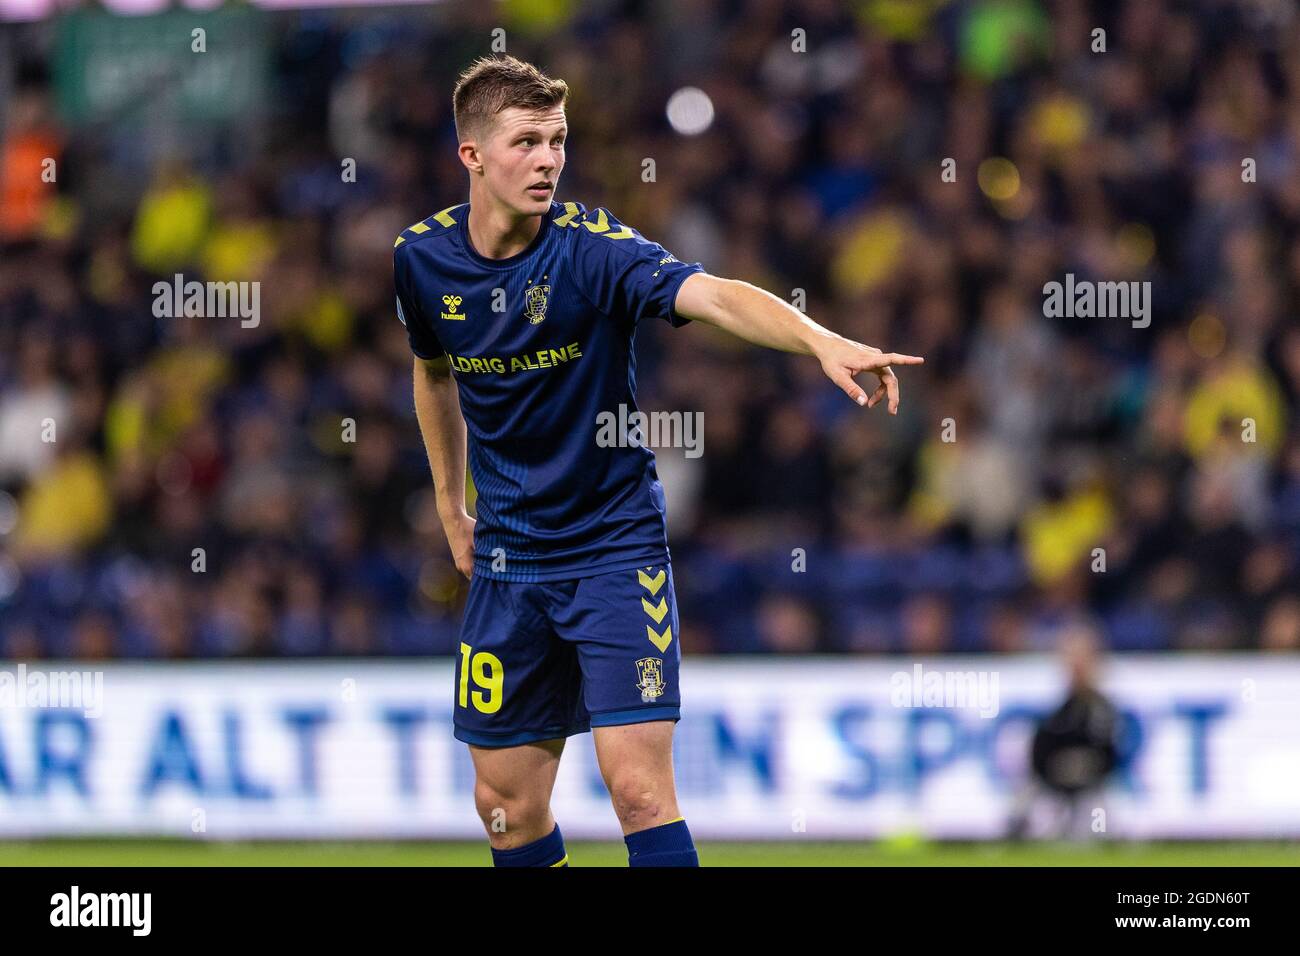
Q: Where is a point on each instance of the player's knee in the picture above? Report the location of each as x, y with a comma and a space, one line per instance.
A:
501, 811
638, 800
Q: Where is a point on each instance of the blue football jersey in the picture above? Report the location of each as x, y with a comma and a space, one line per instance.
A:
540, 344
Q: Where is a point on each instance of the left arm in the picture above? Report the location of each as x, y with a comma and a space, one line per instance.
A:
756, 316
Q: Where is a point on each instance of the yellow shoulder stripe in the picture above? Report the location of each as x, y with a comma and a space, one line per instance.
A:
601, 227
570, 213
442, 218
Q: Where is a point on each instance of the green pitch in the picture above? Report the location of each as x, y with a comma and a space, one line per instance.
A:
793, 853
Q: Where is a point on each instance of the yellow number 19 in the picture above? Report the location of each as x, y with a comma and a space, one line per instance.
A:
488, 674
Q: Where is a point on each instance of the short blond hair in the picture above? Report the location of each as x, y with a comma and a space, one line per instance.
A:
495, 83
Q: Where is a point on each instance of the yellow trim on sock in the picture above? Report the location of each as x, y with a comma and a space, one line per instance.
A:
564, 862
678, 820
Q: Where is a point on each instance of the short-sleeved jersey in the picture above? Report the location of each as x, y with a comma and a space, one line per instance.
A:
540, 345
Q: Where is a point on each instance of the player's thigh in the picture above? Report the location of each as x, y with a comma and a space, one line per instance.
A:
516, 682
624, 626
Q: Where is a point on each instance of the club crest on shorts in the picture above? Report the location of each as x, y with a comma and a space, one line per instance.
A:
651, 683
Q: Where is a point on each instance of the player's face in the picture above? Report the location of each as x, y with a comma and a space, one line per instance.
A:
524, 158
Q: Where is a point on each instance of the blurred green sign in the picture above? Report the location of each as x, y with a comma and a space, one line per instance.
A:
179, 65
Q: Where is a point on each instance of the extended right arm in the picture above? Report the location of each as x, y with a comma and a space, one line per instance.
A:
437, 408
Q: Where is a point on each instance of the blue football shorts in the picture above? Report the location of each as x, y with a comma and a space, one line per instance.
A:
551, 659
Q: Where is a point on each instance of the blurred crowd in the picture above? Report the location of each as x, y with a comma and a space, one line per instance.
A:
913, 176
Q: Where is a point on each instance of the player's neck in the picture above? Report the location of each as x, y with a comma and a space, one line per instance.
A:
499, 233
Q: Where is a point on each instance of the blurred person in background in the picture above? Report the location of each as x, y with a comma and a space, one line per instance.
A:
1074, 750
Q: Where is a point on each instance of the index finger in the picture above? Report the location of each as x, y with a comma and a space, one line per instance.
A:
878, 361
893, 358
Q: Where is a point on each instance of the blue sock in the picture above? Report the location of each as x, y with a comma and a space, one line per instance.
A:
548, 851
666, 845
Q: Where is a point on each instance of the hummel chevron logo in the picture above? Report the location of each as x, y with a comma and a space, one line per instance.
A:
652, 584
656, 612
660, 641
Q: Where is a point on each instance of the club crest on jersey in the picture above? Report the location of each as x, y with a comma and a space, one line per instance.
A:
651, 683
535, 302
452, 302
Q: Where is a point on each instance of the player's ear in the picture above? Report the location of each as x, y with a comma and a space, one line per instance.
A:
469, 156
